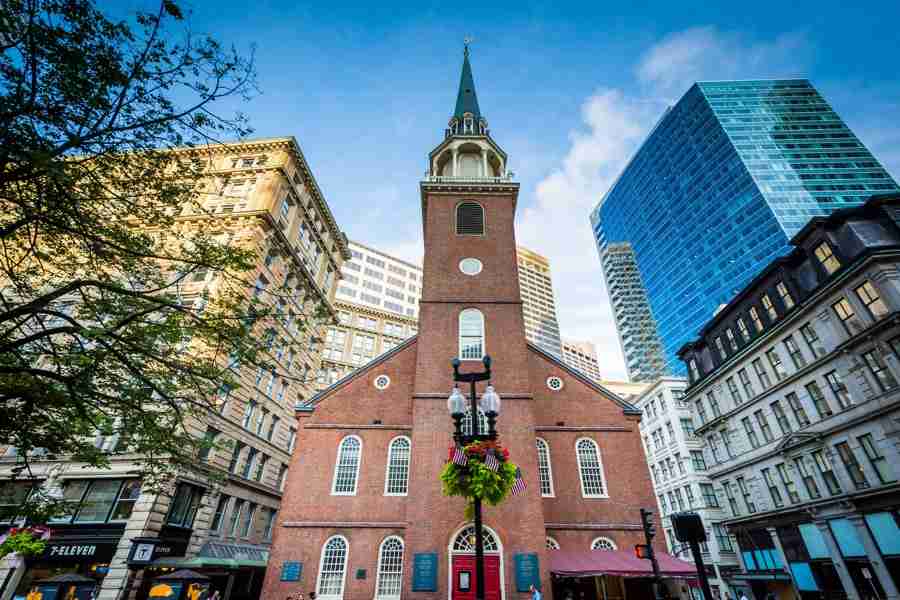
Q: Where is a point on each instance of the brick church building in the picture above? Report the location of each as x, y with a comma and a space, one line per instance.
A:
363, 515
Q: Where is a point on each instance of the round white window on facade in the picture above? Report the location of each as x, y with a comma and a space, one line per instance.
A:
555, 383
382, 381
470, 266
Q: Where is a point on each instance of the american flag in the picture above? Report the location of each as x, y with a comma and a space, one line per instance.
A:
519, 485
490, 460
459, 457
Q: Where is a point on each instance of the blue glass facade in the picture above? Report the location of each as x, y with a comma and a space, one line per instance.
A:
726, 177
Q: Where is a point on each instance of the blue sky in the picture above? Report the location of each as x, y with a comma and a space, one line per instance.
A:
569, 91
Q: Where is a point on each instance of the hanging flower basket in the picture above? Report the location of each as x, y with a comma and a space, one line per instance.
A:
24, 541
474, 478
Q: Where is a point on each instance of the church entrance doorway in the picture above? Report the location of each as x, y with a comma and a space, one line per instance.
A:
462, 565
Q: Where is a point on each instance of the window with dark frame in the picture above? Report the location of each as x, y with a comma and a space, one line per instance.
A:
774, 492
840, 391
99, 500
745, 492
812, 340
818, 399
746, 384
757, 322
879, 370
781, 417
764, 426
876, 458
742, 328
854, 469
469, 219
784, 293
770, 308
826, 258
750, 432
788, 483
761, 373
809, 482
870, 297
734, 391
184, 506
845, 313
798, 410
826, 471
775, 361
794, 352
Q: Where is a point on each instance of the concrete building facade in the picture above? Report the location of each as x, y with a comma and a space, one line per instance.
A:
265, 194
538, 302
365, 515
679, 473
581, 355
794, 388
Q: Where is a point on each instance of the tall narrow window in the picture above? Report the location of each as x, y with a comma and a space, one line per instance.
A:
876, 458
812, 340
868, 295
742, 327
346, 469
786, 299
397, 477
823, 464
812, 488
593, 484
794, 352
471, 334
879, 370
857, 475
469, 219
845, 313
389, 578
757, 322
545, 471
770, 308
818, 398
332, 568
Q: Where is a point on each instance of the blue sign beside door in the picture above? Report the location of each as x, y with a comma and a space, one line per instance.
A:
527, 571
425, 569
291, 570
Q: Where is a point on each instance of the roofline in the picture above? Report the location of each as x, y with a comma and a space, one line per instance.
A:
627, 407
386, 255
319, 396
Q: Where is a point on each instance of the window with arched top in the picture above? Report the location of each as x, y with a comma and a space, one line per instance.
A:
332, 568
552, 544
545, 471
396, 480
590, 468
471, 334
602, 543
465, 540
346, 467
469, 218
389, 578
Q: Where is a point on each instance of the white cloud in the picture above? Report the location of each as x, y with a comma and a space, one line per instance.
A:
556, 223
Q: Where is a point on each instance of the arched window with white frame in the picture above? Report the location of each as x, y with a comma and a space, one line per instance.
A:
396, 479
603, 543
545, 471
346, 467
590, 468
389, 578
332, 568
471, 334
552, 544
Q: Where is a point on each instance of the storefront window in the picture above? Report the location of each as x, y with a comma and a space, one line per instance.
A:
99, 500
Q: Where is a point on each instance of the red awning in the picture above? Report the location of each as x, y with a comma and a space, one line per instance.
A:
585, 563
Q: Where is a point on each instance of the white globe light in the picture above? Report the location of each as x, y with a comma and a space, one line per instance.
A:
456, 403
490, 401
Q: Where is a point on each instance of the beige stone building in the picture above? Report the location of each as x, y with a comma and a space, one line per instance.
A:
264, 194
538, 303
581, 355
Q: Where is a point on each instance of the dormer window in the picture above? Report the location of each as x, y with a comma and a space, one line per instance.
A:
786, 299
695, 373
826, 258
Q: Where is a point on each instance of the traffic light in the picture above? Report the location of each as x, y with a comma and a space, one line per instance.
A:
647, 523
642, 551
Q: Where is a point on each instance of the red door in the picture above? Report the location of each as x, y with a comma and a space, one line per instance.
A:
464, 577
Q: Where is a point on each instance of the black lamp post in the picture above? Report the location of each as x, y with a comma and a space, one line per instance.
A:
490, 404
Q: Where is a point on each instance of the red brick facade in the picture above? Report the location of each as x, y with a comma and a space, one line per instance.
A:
414, 405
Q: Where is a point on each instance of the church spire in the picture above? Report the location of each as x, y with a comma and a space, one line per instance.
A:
466, 99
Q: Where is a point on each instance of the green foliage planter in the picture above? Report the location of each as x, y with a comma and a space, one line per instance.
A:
475, 479
24, 542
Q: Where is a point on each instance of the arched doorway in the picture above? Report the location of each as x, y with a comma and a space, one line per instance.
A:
462, 565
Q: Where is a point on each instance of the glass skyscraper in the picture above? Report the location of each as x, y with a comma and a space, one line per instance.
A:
723, 181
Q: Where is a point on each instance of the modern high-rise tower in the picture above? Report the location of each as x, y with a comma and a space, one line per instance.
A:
724, 180
538, 305
638, 334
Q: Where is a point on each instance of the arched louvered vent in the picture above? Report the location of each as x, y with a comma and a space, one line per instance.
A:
469, 219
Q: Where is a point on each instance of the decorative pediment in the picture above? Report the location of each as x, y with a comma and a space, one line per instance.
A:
797, 439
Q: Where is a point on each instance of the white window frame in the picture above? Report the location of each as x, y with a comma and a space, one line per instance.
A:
378, 571
584, 494
343, 570
603, 539
387, 467
539, 441
459, 320
337, 463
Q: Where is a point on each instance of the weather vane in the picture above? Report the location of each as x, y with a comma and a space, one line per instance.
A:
466, 41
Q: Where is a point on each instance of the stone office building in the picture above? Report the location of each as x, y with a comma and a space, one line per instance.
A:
364, 516
794, 386
264, 193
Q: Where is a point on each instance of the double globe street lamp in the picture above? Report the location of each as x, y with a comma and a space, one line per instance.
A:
490, 405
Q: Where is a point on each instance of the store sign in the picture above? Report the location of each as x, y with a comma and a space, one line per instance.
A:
66, 550
425, 568
146, 550
78, 551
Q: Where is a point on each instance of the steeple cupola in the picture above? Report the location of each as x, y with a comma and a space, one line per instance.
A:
467, 150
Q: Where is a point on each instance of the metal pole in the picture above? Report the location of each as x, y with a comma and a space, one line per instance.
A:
476, 502
701, 570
